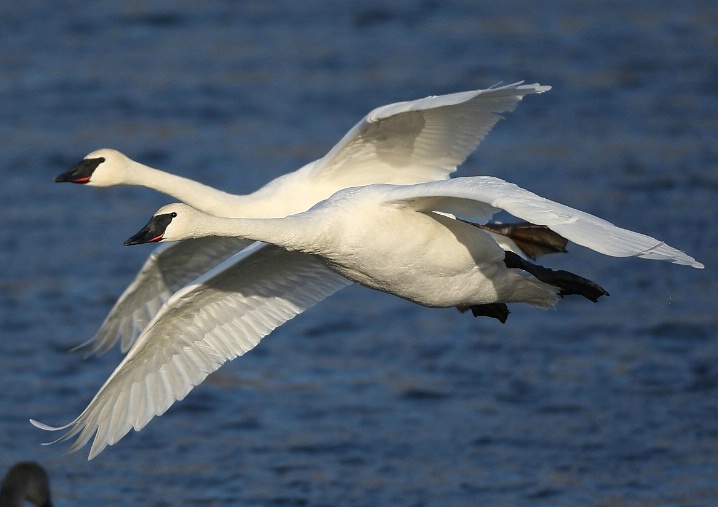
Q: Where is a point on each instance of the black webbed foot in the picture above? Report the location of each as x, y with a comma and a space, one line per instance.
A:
533, 240
564, 280
497, 311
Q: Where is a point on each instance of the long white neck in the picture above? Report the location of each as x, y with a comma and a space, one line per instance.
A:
297, 232
202, 197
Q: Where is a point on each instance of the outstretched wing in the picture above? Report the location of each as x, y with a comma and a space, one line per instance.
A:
405, 142
420, 140
478, 198
220, 316
169, 267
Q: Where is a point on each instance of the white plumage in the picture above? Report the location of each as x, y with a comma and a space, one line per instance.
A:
406, 142
393, 238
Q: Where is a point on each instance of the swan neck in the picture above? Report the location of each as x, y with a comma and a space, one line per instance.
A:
292, 233
202, 197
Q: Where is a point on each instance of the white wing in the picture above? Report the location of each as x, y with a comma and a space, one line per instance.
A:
478, 198
406, 142
220, 316
419, 140
170, 267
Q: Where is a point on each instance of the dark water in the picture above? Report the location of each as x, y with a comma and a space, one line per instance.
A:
368, 400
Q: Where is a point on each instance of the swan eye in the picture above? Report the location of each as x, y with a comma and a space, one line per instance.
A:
173, 214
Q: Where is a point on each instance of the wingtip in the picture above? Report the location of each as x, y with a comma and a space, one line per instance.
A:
93, 452
665, 252
88, 349
535, 87
47, 427
519, 85
44, 426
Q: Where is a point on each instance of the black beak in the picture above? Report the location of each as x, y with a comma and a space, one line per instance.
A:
152, 232
81, 173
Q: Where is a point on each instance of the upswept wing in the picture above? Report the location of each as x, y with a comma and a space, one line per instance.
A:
169, 267
407, 142
420, 140
220, 316
478, 198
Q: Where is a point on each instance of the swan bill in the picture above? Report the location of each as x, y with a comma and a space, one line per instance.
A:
154, 231
81, 172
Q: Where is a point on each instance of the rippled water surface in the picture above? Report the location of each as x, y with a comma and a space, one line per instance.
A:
367, 400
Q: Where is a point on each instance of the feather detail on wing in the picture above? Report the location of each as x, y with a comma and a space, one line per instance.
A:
478, 198
220, 316
420, 140
170, 267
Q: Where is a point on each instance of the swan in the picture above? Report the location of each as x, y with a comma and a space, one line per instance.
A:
26, 480
399, 239
403, 143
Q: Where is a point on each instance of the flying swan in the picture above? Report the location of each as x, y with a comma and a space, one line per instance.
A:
394, 238
402, 143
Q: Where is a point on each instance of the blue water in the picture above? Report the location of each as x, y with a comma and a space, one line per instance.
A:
368, 400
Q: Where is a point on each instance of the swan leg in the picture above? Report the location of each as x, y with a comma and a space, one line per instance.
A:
533, 240
564, 280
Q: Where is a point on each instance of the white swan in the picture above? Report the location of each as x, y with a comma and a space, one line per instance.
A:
26, 480
406, 142
394, 238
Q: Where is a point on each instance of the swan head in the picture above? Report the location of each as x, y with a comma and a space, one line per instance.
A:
26, 480
173, 222
101, 168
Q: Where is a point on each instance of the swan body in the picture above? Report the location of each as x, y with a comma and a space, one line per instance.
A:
26, 480
401, 143
394, 238
375, 235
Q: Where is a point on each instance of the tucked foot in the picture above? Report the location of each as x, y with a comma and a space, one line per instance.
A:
533, 240
497, 311
564, 280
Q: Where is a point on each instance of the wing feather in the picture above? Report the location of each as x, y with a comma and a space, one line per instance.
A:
478, 198
419, 140
170, 267
406, 142
220, 316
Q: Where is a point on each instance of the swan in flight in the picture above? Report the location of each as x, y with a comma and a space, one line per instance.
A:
398, 239
402, 143
26, 480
